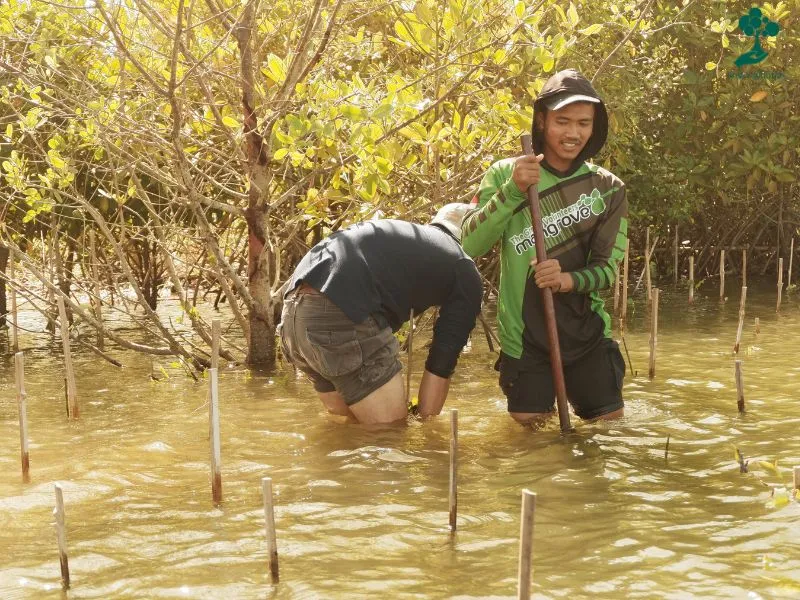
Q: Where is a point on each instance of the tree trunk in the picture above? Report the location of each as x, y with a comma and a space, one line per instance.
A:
3, 262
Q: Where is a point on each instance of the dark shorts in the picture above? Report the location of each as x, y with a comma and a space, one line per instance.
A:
594, 382
354, 359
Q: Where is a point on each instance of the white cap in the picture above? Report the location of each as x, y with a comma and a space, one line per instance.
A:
561, 100
450, 217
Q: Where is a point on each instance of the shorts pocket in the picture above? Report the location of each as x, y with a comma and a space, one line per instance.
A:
337, 353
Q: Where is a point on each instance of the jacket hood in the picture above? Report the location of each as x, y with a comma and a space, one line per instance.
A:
566, 83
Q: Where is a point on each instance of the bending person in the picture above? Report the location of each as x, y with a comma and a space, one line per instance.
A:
355, 288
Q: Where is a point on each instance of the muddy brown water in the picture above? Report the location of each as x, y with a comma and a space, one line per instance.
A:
364, 514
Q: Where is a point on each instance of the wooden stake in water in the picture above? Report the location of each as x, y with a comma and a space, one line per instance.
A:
653, 333
780, 284
648, 281
791, 255
617, 281
19, 370
410, 341
624, 311
453, 469
526, 544
216, 457
758, 326
269, 525
742, 301
722, 275
14, 321
61, 533
739, 386
216, 334
744, 265
675, 258
72, 392
691, 279
796, 477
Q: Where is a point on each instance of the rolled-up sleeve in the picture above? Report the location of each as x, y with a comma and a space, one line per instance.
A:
457, 316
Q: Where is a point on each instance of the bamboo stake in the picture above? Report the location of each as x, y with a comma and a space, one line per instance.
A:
791, 255
98, 305
72, 393
739, 386
453, 469
624, 311
648, 281
526, 544
215, 337
780, 284
617, 282
14, 321
410, 340
61, 534
653, 333
796, 479
744, 265
722, 275
758, 326
216, 458
742, 301
19, 369
269, 525
675, 259
691, 279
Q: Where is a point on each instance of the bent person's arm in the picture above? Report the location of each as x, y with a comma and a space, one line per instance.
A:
432, 394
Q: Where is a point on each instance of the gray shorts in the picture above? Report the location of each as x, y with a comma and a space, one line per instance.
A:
354, 359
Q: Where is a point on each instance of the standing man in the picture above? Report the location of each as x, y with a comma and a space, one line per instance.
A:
584, 217
355, 288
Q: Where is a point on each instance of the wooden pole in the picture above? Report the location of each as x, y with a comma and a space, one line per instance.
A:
216, 334
796, 479
410, 345
547, 302
675, 258
19, 369
742, 301
617, 282
758, 326
98, 305
453, 469
791, 255
624, 311
269, 525
72, 393
653, 333
647, 279
722, 275
691, 279
61, 534
780, 284
14, 322
526, 544
744, 265
739, 386
216, 458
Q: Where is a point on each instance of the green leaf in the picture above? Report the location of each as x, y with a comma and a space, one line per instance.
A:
592, 29
230, 122
572, 15
276, 68
280, 153
710, 66
519, 9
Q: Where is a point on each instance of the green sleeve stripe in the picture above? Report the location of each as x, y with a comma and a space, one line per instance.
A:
591, 283
610, 275
580, 280
602, 278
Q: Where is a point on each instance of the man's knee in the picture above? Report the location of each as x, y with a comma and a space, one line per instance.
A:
531, 419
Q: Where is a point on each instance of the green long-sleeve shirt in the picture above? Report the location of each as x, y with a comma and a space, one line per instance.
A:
584, 217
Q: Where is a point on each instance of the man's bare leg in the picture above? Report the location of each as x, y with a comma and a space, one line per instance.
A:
617, 414
336, 405
387, 404
534, 420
